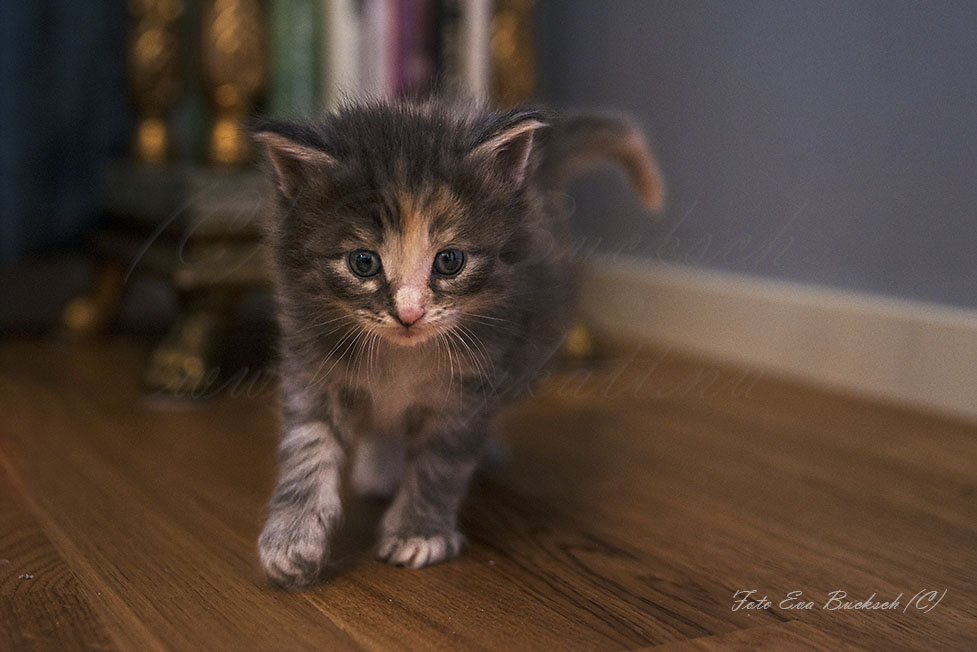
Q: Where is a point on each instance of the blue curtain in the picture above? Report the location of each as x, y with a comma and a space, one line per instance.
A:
63, 113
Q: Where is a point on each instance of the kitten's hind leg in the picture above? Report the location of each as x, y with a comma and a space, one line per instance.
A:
305, 507
378, 465
420, 527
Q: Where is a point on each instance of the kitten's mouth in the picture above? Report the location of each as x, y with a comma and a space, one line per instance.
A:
407, 335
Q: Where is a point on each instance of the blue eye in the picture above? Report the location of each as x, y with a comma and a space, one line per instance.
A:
364, 263
449, 262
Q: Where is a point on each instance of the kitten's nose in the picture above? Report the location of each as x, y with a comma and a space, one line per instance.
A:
409, 303
408, 315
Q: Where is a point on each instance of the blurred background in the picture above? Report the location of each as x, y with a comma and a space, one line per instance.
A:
847, 129
826, 143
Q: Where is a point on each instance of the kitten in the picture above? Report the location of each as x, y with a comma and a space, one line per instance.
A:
423, 277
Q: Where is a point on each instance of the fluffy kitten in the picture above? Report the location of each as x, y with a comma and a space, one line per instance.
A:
423, 279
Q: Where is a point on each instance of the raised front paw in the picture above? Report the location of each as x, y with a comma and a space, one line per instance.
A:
293, 548
417, 551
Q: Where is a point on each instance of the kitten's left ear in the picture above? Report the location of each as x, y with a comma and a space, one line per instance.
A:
507, 147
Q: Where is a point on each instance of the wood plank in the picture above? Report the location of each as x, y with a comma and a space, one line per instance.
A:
789, 637
723, 488
42, 606
131, 521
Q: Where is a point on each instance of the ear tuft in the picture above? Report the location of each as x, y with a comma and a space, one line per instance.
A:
508, 149
293, 162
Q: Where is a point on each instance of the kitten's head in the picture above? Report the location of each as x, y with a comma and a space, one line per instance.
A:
401, 219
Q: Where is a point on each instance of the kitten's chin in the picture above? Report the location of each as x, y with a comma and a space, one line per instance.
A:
408, 336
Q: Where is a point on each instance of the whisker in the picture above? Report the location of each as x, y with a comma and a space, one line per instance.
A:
362, 339
451, 364
473, 357
374, 345
319, 324
506, 325
346, 355
479, 346
349, 336
488, 317
316, 378
480, 361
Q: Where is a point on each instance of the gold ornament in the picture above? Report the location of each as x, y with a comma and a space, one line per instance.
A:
513, 56
233, 58
153, 69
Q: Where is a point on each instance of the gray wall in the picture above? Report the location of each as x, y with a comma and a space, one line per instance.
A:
832, 143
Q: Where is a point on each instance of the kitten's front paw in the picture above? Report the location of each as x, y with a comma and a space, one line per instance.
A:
293, 548
419, 551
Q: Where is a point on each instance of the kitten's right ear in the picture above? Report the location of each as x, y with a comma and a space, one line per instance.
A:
294, 162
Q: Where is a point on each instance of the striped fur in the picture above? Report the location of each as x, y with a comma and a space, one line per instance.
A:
401, 370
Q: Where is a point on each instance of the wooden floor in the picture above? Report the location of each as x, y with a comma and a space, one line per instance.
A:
635, 504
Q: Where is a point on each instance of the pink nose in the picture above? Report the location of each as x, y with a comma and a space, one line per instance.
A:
408, 315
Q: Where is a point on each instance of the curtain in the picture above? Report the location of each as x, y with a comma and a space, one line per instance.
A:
63, 113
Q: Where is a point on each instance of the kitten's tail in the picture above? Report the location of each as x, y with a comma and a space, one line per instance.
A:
578, 143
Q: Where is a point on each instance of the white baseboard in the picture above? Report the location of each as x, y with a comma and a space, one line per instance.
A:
921, 354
